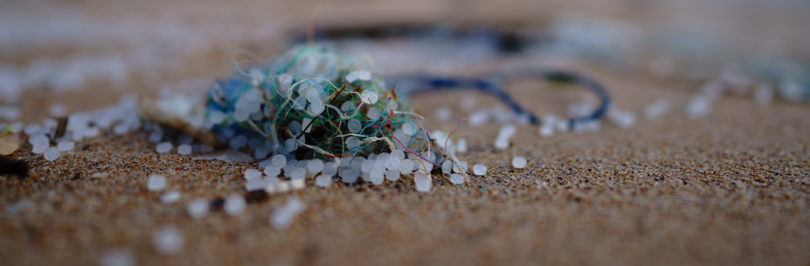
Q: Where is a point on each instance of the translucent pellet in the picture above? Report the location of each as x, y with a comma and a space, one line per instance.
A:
66, 145
155, 137
457, 179
260, 153
32, 128
329, 169
392, 175
352, 142
164, 147
252, 173
272, 170
323, 181
479, 169
423, 182
461, 146
367, 166
347, 175
40, 148
354, 125
376, 176
399, 154
315, 166
235, 205
282, 218
447, 166
392, 163
279, 160
39, 140
238, 142
406, 167
170, 197
463, 167
167, 240
519, 162
698, 106
51, 153
197, 208
118, 258
546, 130
156, 182
298, 173
184, 149
501, 143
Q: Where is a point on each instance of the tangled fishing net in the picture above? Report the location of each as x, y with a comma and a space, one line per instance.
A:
312, 103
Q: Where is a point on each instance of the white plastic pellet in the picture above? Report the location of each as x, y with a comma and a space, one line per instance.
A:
235, 205
422, 181
184, 149
501, 143
392, 163
461, 146
66, 145
315, 166
51, 153
121, 257
298, 173
456, 179
519, 162
197, 208
156, 182
252, 174
479, 169
354, 125
392, 175
352, 142
406, 167
167, 240
170, 197
282, 218
377, 176
164, 147
399, 154
329, 169
272, 170
323, 180
279, 160
447, 166
463, 167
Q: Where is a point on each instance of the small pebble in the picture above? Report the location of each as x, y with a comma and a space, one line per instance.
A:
235, 205
164, 147
167, 240
156, 182
519, 162
479, 169
197, 208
